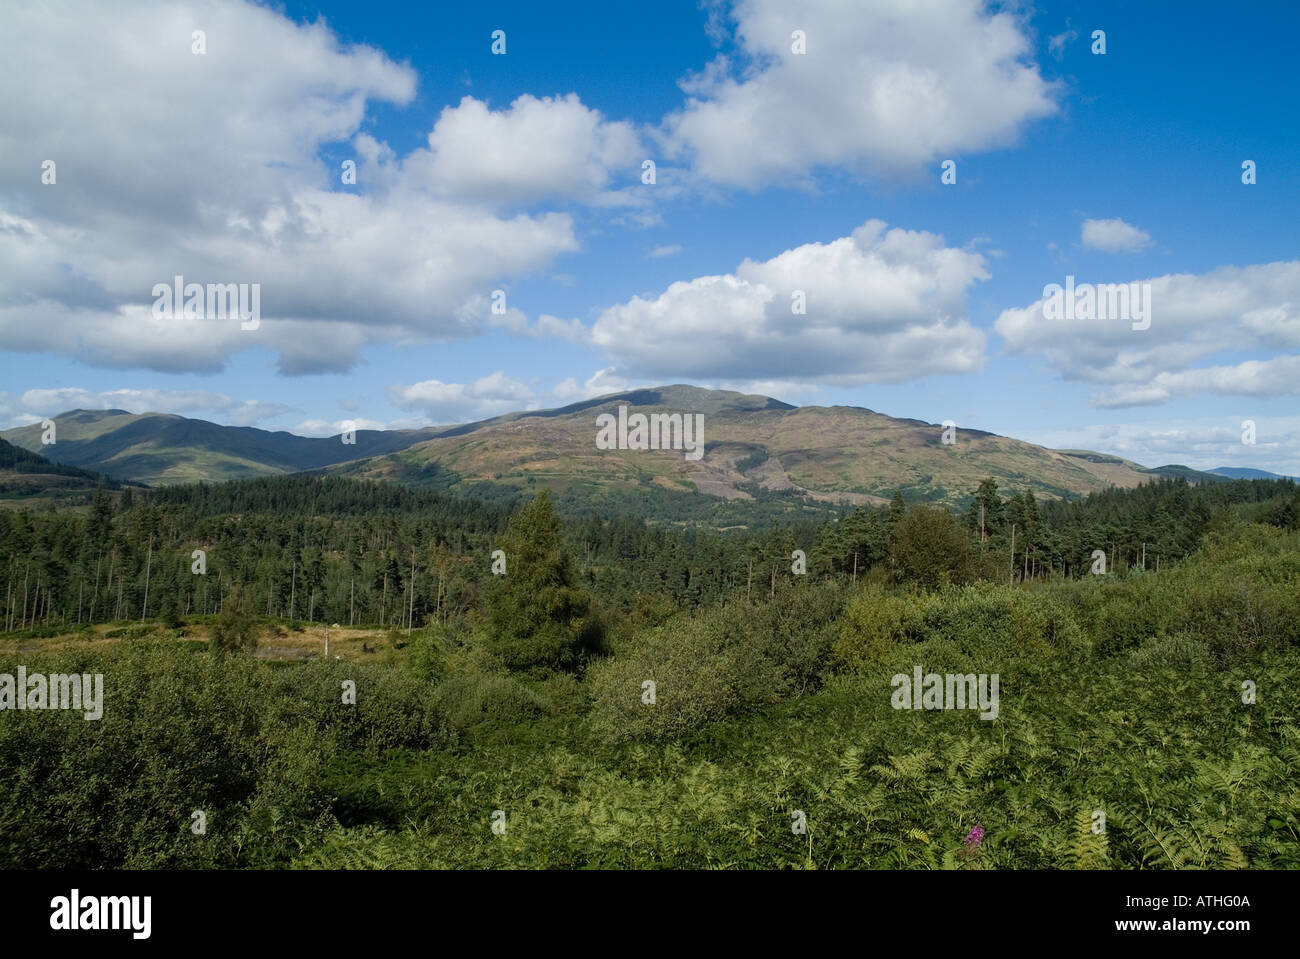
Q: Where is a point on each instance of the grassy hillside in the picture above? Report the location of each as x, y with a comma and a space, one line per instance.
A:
755, 447
159, 448
24, 474
764, 458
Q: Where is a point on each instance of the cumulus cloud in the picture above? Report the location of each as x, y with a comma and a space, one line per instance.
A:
883, 88
1279, 376
600, 383
882, 306
1114, 236
537, 149
318, 427
516, 321
552, 326
1203, 443
461, 402
1193, 318
211, 167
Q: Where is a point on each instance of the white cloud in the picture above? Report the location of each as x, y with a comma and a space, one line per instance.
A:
883, 88
318, 427
1202, 443
553, 326
42, 403
1279, 376
882, 306
662, 251
1056, 44
567, 389
537, 149
546, 326
488, 396
1113, 236
211, 167
1230, 310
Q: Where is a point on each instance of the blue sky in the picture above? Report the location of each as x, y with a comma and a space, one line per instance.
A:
774, 171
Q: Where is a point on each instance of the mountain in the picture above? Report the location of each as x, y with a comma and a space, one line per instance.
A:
761, 457
158, 448
24, 473
1242, 472
756, 448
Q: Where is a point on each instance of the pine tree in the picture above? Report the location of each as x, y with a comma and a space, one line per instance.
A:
897, 510
988, 504
538, 618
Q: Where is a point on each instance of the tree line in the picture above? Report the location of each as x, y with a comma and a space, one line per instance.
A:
337, 550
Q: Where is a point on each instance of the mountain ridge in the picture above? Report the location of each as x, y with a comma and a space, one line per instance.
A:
756, 447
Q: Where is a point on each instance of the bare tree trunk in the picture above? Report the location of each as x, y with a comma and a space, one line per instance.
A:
90, 616
144, 609
1013, 553
410, 587
108, 586
26, 573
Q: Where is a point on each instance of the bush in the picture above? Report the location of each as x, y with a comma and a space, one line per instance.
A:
693, 685
235, 629
710, 665
473, 700
179, 733
874, 624
931, 548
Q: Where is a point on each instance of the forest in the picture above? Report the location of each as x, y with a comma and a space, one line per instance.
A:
550, 689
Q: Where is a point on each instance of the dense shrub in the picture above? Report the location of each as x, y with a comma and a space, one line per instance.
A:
688, 662
242, 742
1119, 693
472, 699
709, 665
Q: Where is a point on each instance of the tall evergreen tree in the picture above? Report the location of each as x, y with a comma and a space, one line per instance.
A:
538, 617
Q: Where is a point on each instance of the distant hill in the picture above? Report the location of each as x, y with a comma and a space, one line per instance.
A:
762, 456
23, 473
158, 448
1242, 472
756, 447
